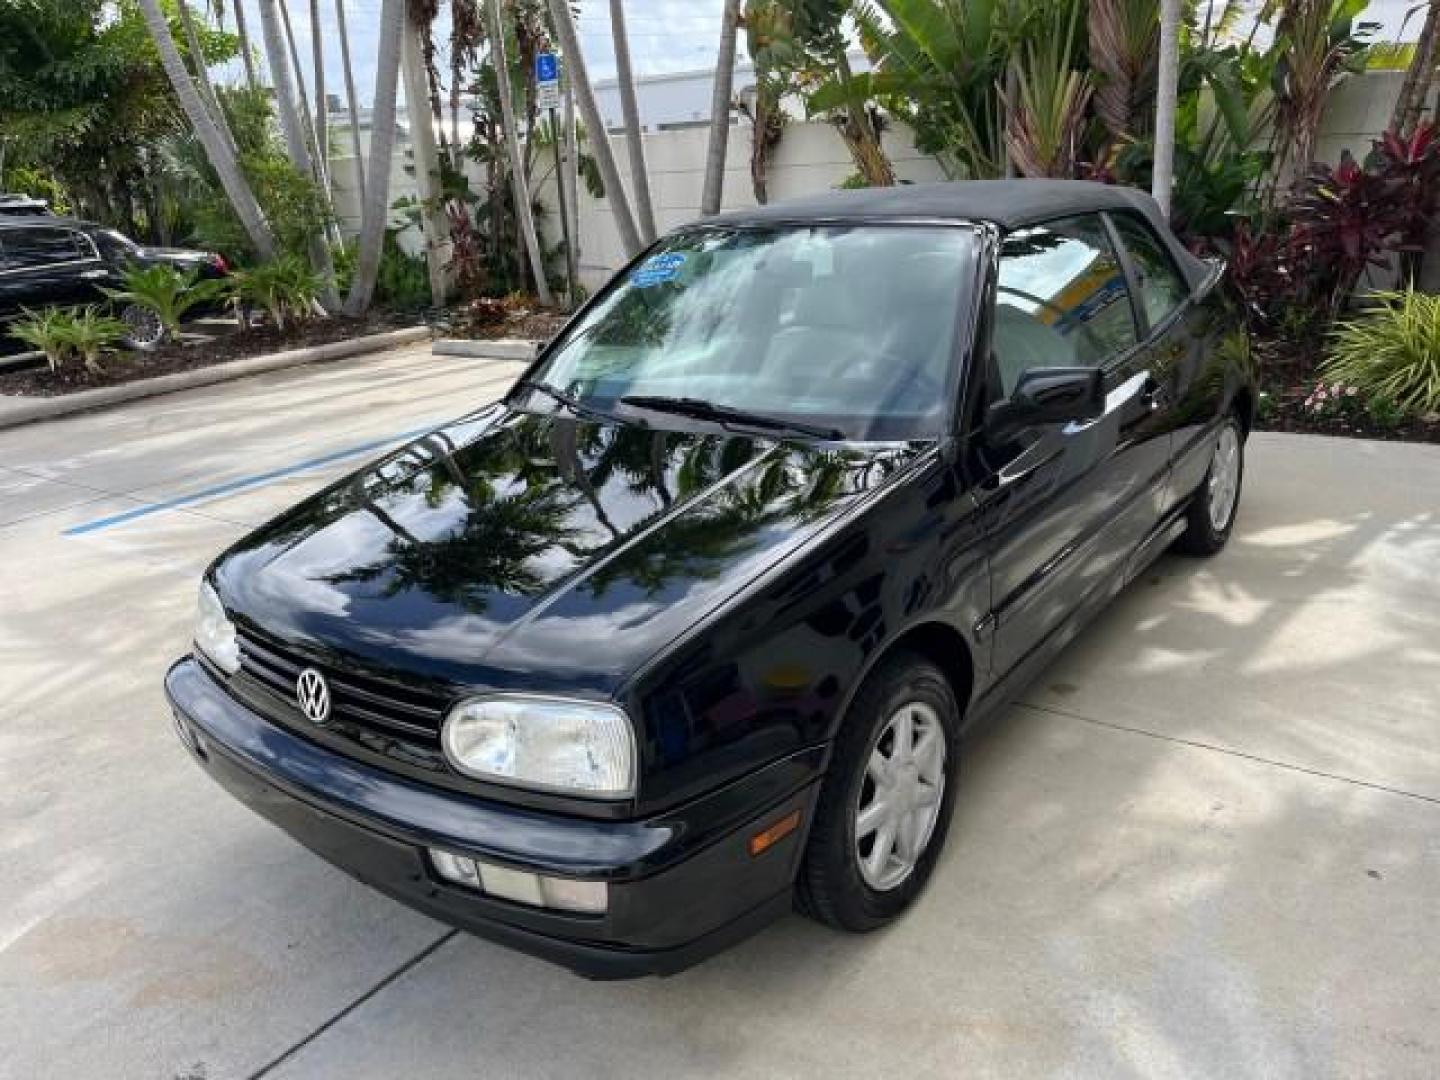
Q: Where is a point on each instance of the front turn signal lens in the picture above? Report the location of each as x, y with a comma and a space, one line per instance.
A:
764, 840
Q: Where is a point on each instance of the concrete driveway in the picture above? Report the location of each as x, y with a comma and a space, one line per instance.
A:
1207, 843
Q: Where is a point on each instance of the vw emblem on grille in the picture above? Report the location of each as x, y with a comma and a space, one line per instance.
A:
313, 694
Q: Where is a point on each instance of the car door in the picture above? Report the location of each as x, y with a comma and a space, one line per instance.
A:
1065, 505
1177, 351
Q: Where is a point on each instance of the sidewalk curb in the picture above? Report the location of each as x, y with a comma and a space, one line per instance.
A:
15, 411
487, 349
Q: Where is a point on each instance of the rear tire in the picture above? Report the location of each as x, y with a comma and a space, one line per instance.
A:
1210, 517
883, 787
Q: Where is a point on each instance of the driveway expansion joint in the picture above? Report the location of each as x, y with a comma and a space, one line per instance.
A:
1198, 745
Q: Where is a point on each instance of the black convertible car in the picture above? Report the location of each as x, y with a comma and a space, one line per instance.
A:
691, 625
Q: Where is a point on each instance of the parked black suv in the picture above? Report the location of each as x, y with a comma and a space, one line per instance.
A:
54, 260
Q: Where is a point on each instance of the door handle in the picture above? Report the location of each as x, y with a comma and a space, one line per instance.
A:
91, 275
1155, 395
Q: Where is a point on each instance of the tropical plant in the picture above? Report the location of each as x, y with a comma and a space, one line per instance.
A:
167, 292
46, 331
91, 333
1124, 50
1391, 351
769, 31
714, 179
1419, 72
1317, 43
375, 211
287, 288
402, 281
1045, 115
564, 23
218, 149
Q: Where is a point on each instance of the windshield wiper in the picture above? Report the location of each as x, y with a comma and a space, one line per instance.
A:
701, 409
571, 402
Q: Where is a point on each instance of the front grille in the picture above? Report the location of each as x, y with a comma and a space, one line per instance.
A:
356, 701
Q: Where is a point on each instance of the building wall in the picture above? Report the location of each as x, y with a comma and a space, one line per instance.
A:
810, 158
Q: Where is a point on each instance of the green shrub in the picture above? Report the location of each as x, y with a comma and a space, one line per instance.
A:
402, 282
167, 292
91, 332
287, 288
1392, 352
47, 331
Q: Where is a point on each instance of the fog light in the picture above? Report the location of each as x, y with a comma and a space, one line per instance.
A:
520, 887
566, 894
455, 868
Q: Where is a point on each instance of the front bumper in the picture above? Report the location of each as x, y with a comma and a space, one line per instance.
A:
682, 886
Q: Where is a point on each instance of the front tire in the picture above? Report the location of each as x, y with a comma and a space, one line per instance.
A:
885, 804
1210, 517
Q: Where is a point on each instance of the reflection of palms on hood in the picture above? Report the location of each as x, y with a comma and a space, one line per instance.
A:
483, 528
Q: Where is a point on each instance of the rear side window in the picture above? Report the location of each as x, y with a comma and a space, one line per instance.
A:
39, 247
1162, 289
1061, 299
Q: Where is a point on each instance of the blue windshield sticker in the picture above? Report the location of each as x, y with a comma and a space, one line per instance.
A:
658, 269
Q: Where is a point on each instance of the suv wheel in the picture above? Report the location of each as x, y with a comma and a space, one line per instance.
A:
1211, 515
885, 804
146, 330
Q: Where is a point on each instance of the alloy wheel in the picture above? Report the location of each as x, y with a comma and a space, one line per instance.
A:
146, 330
1224, 483
900, 796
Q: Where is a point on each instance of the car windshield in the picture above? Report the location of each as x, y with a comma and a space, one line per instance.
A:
845, 329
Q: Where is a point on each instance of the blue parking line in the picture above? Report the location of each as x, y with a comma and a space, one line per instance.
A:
230, 487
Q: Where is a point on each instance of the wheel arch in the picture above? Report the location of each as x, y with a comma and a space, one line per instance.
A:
937, 641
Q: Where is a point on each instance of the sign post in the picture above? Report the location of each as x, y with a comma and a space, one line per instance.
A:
547, 97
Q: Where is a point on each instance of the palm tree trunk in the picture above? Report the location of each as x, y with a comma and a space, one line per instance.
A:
202, 73
1163, 177
292, 127
599, 138
322, 108
569, 180
350, 98
217, 149
714, 187
299, 94
518, 187
375, 213
247, 54
634, 141
427, 159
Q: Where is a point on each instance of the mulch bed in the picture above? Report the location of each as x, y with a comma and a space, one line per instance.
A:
190, 355
1285, 411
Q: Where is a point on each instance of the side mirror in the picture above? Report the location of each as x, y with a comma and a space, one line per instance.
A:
1048, 396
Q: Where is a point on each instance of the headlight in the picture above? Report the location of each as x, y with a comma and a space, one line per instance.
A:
215, 633
550, 744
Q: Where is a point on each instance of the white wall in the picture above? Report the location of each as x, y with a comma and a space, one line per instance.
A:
810, 158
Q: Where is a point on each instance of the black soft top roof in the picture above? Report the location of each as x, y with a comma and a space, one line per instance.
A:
1010, 204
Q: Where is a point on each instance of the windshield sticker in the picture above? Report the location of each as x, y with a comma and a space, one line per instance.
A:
658, 269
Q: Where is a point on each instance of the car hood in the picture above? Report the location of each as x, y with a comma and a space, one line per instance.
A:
518, 551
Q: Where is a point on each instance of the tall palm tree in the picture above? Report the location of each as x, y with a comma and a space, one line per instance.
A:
713, 189
375, 212
202, 72
350, 99
292, 127
422, 114
585, 97
518, 188
1162, 178
639, 174
247, 53
569, 179
1419, 75
322, 109
217, 150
